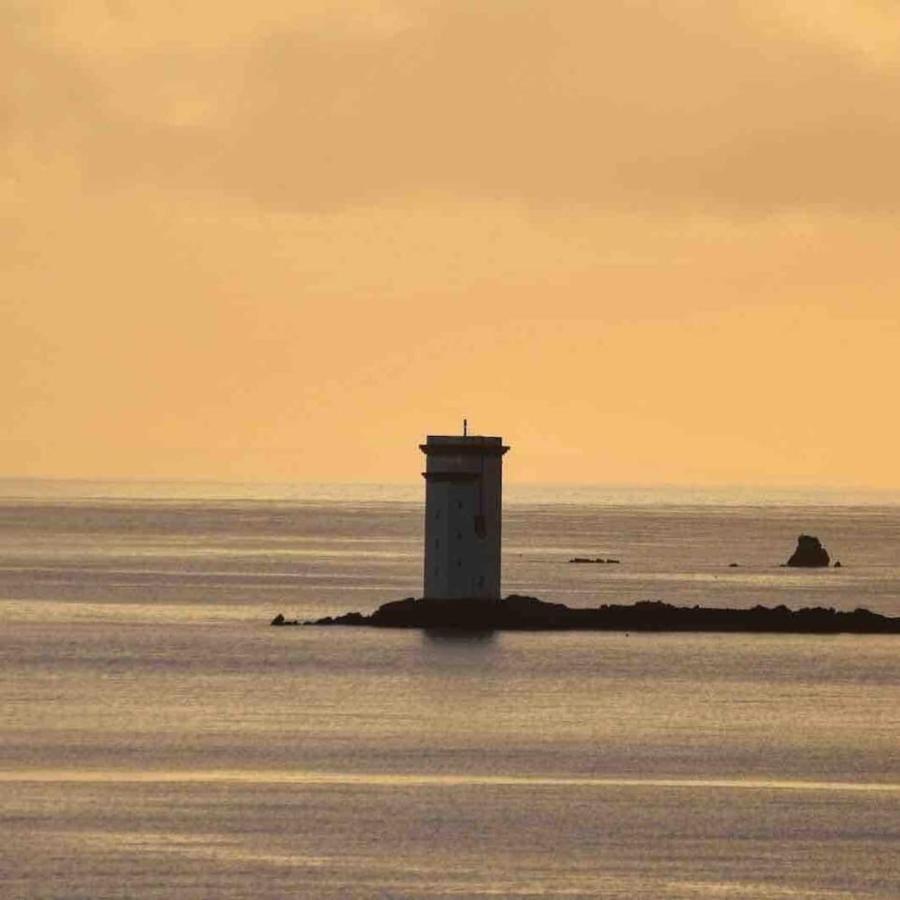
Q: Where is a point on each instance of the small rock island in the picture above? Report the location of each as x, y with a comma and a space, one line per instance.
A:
518, 613
809, 554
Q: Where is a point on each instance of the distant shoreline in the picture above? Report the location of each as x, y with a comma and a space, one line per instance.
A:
518, 613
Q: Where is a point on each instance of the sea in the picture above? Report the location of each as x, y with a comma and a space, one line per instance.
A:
159, 739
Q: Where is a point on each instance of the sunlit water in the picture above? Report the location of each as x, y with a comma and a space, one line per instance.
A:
159, 739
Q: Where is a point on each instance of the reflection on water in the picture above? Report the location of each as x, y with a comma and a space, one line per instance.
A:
233, 761
159, 739
459, 636
271, 840
406, 780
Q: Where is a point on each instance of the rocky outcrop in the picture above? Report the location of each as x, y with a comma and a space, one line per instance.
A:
517, 613
599, 560
809, 553
281, 620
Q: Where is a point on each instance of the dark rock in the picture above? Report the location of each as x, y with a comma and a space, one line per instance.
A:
353, 618
733, 566
598, 561
837, 564
809, 553
278, 620
518, 613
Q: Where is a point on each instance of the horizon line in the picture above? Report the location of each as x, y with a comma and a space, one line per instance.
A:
70, 489
638, 485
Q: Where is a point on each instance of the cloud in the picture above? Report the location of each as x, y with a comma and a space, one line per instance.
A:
618, 105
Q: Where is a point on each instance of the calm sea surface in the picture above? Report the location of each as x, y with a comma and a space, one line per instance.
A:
158, 739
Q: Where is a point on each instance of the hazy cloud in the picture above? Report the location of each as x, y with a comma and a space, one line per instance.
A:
630, 105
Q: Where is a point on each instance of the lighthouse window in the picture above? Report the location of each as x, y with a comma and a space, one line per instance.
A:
459, 535
459, 563
437, 543
459, 504
481, 581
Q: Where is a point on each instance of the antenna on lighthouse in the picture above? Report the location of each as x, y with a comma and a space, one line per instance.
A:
465, 427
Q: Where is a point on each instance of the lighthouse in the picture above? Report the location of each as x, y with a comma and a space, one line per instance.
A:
463, 495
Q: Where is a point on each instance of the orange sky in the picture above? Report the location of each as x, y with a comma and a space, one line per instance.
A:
645, 242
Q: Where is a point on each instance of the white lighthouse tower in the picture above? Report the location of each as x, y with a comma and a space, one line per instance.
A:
463, 482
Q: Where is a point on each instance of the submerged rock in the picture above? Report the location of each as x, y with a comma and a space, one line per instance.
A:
809, 553
598, 560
